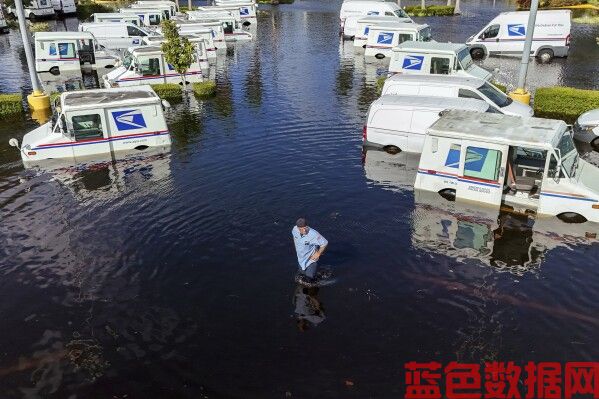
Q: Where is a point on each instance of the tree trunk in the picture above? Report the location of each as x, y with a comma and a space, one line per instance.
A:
189, 7
422, 4
399, 3
457, 7
448, 3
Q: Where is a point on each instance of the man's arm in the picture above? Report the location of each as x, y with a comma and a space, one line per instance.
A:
322, 243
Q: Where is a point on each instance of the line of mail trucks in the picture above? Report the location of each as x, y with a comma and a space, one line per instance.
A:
353, 10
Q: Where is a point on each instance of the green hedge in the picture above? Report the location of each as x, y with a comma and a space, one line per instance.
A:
204, 89
275, 1
430, 11
86, 8
525, 4
11, 103
564, 103
380, 82
501, 87
168, 91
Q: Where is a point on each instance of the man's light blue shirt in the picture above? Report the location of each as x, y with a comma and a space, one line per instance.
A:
306, 245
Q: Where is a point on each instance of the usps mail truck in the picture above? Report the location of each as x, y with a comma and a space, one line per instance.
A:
382, 38
435, 58
353, 10
505, 35
116, 35
364, 24
117, 17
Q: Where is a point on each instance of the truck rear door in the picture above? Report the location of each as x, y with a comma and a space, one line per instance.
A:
482, 172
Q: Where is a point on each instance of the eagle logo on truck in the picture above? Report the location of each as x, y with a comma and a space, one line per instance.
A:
413, 62
244, 11
385, 38
366, 30
129, 119
516, 30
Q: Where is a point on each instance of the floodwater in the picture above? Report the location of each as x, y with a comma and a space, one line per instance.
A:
170, 275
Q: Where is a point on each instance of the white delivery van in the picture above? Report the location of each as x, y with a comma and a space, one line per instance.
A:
363, 26
98, 121
3, 24
36, 9
116, 35
189, 27
382, 38
117, 17
353, 10
455, 86
586, 128
149, 18
230, 20
247, 11
399, 123
505, 35
147, 65
435, 58
172, 6
165, 9
528, 164
199, 42
56, 52
64, 6
205, 36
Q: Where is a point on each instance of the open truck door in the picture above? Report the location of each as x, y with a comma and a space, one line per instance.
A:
482, 172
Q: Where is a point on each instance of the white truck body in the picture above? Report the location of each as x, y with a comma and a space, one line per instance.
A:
117, 17
230, 20
37, 9
455, 86
192, 27
363, 25
205, 36
99, 121
64, 6
426, 58
247, 10
151, 3
505, 35
382, 38
116, 35
400, 122
3, 24
352, 10
147, 65
150, 18
528, 164
56, 52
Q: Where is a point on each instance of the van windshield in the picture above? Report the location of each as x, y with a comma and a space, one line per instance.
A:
401, 13
569, 154
425, 35
465, 59
495, 95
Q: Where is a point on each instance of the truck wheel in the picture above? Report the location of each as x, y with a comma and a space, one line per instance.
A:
246, 23
55, 70
595, 143
571, 217
109, 66
477, 53
32, 17
391, 149
448, 194
379, 56
545, 56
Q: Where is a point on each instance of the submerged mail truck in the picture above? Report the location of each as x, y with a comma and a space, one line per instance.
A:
353, 10
101, 121
116, 35
527, 164
435, 58
364, 24
505, 35
56, 52
382, 38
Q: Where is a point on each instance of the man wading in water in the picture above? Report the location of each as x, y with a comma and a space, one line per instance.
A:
309, 245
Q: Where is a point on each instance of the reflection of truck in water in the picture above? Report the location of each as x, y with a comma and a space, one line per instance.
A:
501, 238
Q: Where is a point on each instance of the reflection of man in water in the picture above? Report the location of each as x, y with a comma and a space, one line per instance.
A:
309, 245
308, 309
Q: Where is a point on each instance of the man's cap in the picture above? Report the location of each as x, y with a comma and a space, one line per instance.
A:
301, 222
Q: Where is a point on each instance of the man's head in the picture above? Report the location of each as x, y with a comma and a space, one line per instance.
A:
302, 225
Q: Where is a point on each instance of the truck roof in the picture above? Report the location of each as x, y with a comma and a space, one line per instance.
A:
436, 79
199, 22
399, 26
414, 46
146, 49
111, 14
498, 128
114, 97
62, 35
376, 19
432, 102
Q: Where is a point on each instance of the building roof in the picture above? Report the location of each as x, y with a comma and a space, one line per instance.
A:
121, 96
62, 35
436, 79
432, 102
414, 46
499, 128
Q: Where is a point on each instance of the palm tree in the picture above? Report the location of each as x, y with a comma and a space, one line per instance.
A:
456, 9
448, 3
422, 4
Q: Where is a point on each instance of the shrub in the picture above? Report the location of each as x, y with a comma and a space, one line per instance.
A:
39, 27
380, 82
416, 11
525, 4
86, 8
11, 103
564, 103
501, 87
168, 91
204, 89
